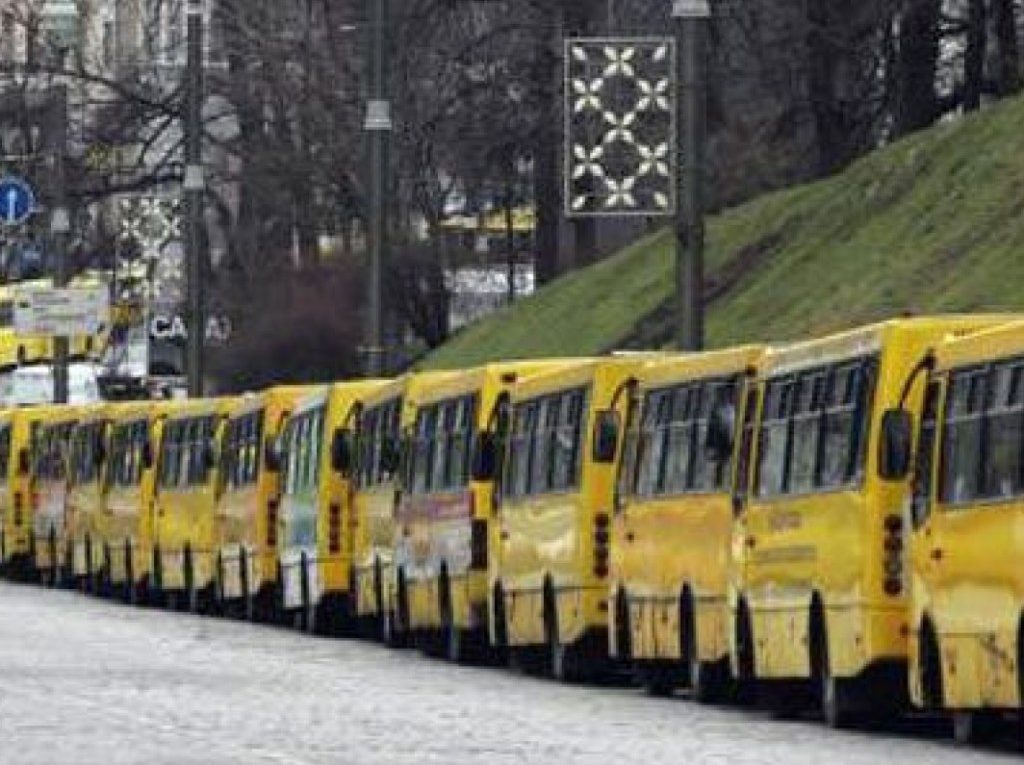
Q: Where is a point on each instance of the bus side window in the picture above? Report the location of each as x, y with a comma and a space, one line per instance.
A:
922, 489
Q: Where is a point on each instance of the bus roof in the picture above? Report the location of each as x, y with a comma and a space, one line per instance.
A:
1002, 342
197, 407
351, 390
870, 339
695, 366
278, 396
440, 386
575, 373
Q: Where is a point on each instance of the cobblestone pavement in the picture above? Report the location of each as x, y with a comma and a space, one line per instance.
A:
84, 682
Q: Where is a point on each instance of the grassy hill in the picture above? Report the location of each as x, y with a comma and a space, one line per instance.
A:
934, 222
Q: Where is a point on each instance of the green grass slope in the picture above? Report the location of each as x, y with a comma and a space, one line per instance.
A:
932, 223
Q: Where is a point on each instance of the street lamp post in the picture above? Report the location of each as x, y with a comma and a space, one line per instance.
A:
378, 126
194, 186
691, 18
60, 230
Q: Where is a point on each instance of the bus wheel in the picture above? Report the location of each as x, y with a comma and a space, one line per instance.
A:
87, 581
53, 558
562, 660
191, 594
745, 666
832, 692
129, 575
307, 618
500, 642
707, 680
248, 606
451, 635
218, 586
974, 726
378, 595
930, 667
400, 615
623, 629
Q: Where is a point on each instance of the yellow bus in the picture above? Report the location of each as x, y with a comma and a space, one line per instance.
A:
246, 520
187, 488
817, 598
443, 534
378, 455
17, 541
127, 525
51, 452
315, 539
86, 498
966, 586
550, 576
672, 526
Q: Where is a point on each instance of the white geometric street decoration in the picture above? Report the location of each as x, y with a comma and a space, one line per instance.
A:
620, 115
153, 225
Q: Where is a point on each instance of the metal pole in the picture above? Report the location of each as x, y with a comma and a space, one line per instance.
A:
60, 228
510, 236
378, 125
691, 36
194, 186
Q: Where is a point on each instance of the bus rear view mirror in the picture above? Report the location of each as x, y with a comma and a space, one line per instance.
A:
485, 457
606, 436
895, 447
342, 452
24, 462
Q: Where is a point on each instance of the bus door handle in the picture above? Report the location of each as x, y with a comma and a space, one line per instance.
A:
630, 536
751, 542
938, 554
504, 536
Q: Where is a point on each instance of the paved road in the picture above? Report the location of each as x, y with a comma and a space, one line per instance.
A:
89, 683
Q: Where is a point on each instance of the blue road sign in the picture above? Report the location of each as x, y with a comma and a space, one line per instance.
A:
17, 201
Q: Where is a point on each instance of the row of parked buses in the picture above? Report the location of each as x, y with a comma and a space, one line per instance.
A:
833, 524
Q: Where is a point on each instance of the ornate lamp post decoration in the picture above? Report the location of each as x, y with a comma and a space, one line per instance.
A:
620, 151
149, 271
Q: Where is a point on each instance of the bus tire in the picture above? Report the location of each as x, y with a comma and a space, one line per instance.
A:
53, 558
746, 678
307, 617
107, 572
129, 575
930, 667
451, 635
833, 693
563, 662
87, 583
975, 726
623, 628
500, 638
378, 596
191, 596
1020, 667
248, 600
708, 681
218, 585
399, 633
